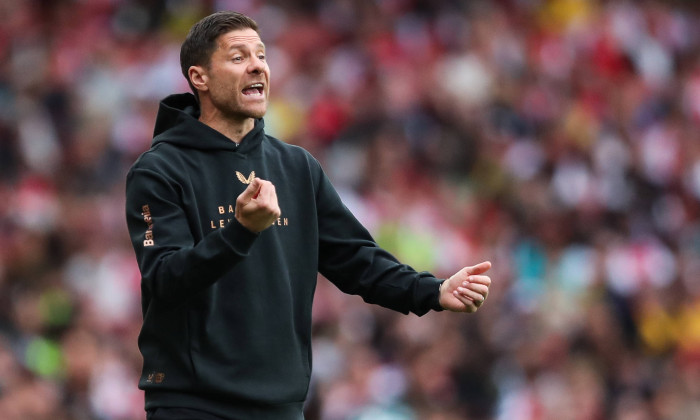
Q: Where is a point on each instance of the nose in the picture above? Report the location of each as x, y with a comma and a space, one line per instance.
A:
256, 66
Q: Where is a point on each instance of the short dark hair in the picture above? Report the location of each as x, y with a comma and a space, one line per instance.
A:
200, 43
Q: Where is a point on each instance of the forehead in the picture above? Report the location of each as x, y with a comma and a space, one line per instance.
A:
239, 38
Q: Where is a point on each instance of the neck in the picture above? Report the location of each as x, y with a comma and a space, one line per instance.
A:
233, 128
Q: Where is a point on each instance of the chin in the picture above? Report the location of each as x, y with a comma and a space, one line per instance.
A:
257, 112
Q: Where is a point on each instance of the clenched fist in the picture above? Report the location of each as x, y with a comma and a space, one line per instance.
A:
257, 207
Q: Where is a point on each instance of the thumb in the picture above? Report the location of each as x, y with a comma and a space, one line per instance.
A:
479, 268
251, 191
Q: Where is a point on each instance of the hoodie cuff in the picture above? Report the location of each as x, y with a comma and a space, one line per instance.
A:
428, 294
238, 237
435, 303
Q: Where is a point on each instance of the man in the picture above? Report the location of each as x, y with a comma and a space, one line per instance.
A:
230, 228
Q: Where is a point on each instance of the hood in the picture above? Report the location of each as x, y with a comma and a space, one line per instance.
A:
178, 123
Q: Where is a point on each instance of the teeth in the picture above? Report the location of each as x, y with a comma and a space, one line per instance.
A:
257, 89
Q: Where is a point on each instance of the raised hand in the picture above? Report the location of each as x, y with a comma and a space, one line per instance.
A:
257, 207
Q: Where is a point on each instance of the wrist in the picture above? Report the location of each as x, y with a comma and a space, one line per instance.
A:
442, 285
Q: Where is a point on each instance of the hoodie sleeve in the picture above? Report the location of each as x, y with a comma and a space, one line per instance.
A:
352, 260
172, 266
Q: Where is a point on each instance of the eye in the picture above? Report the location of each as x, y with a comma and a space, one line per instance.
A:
237, 59
261, 57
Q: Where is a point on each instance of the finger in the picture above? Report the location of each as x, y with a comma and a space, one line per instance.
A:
268, 198
470, 305
479, 268
478, 288
250, 192
476, 297
484, 280
270, 193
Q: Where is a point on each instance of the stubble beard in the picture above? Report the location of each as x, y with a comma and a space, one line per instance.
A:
236, 110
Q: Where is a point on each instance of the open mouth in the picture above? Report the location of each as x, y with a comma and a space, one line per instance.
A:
254, 89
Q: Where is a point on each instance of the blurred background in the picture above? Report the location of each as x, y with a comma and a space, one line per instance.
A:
557, 138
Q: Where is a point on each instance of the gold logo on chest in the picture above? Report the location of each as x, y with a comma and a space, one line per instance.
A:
245, 180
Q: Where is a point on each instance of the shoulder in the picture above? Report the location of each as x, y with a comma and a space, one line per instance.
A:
296, 160
291, 151
151, 159
162, 160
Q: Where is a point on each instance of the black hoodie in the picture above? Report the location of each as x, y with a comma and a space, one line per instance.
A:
227, 313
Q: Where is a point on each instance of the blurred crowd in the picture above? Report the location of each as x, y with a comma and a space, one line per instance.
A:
557, 138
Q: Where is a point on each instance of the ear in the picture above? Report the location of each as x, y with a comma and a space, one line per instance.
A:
198, 78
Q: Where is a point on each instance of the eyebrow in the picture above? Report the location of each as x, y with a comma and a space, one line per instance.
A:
241, 45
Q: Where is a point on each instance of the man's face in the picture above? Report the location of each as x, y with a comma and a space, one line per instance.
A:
238, 75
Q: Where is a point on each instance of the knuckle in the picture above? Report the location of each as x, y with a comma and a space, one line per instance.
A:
272, 209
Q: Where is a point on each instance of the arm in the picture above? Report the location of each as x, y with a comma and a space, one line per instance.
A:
350, 258
174, 267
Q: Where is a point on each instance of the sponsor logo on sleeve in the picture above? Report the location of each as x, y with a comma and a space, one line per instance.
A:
148, 237
157, 377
